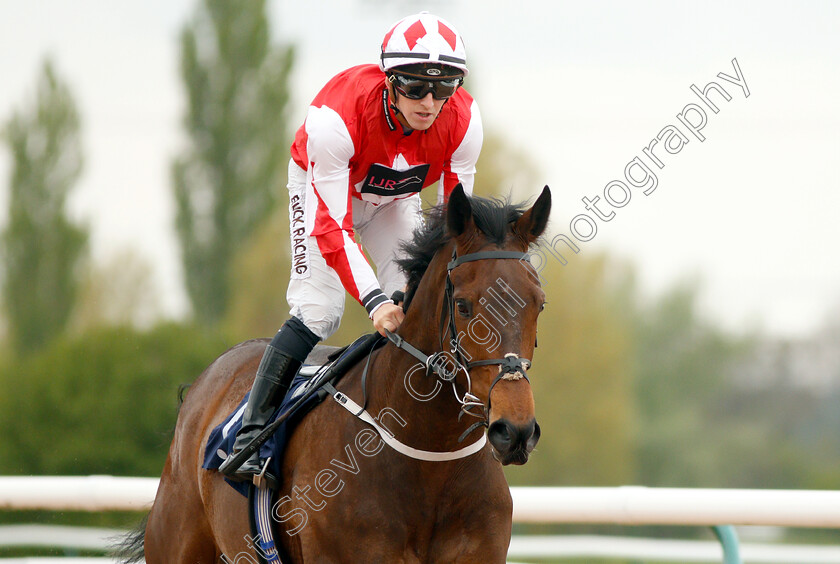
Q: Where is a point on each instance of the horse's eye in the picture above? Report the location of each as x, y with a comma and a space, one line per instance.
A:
542, 306
463, 308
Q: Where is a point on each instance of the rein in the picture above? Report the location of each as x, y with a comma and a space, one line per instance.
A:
511, 367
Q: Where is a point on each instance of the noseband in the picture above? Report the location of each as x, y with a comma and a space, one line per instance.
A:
511, 367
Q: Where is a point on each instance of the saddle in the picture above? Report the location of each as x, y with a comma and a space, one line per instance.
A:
322, 359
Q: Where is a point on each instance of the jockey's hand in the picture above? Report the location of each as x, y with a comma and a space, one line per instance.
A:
387, 316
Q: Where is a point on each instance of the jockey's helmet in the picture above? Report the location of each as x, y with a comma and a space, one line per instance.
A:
424, 46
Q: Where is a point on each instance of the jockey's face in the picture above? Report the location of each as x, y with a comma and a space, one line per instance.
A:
418, 114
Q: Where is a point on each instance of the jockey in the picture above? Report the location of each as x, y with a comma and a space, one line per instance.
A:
373, 137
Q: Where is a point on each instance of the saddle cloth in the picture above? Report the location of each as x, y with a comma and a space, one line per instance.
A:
220, 442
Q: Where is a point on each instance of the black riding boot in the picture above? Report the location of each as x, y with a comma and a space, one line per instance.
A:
279, 364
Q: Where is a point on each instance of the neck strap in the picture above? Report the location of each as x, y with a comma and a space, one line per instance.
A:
391, 440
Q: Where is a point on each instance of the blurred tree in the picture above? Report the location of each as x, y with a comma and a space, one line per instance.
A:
582, 377
121, 291
259, 277
42, 250
504, 170
774, 421
687, 435
226, 182
108, 405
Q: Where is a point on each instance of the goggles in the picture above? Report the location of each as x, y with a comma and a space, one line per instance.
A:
416, 88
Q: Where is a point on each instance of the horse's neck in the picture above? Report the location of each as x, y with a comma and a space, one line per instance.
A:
426, 404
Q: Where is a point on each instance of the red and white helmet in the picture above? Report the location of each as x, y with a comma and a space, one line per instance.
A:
423, 38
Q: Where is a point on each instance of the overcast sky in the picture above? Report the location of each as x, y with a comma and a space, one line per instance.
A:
582, 87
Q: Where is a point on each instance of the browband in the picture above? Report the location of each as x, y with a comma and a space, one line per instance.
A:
456, 261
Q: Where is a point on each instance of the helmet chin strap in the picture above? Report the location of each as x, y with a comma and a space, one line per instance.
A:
392, 97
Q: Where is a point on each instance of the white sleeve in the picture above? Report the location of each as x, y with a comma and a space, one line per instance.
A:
465, 157
329, 148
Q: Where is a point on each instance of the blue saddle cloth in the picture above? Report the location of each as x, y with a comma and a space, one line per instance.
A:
220, 443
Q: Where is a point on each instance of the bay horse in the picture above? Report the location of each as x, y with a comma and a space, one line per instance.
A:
345, 496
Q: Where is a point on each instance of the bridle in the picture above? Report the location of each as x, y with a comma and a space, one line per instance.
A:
511, 366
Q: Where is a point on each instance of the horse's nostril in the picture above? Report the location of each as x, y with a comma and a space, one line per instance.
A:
534, 438
500, 434
505, 437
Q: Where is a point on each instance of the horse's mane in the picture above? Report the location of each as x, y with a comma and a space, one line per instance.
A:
492, 216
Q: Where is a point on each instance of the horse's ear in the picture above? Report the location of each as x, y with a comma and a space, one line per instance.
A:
458, 212
533, 222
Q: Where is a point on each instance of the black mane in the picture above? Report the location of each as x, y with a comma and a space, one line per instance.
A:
493, 217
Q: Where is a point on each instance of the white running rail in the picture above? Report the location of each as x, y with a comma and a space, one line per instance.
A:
638, 505
625, 505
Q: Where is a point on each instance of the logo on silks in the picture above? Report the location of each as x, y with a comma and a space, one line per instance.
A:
385, 181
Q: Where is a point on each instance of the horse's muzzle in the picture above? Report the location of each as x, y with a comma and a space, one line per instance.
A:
513, 443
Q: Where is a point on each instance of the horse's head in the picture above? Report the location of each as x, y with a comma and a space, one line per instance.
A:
494, 298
